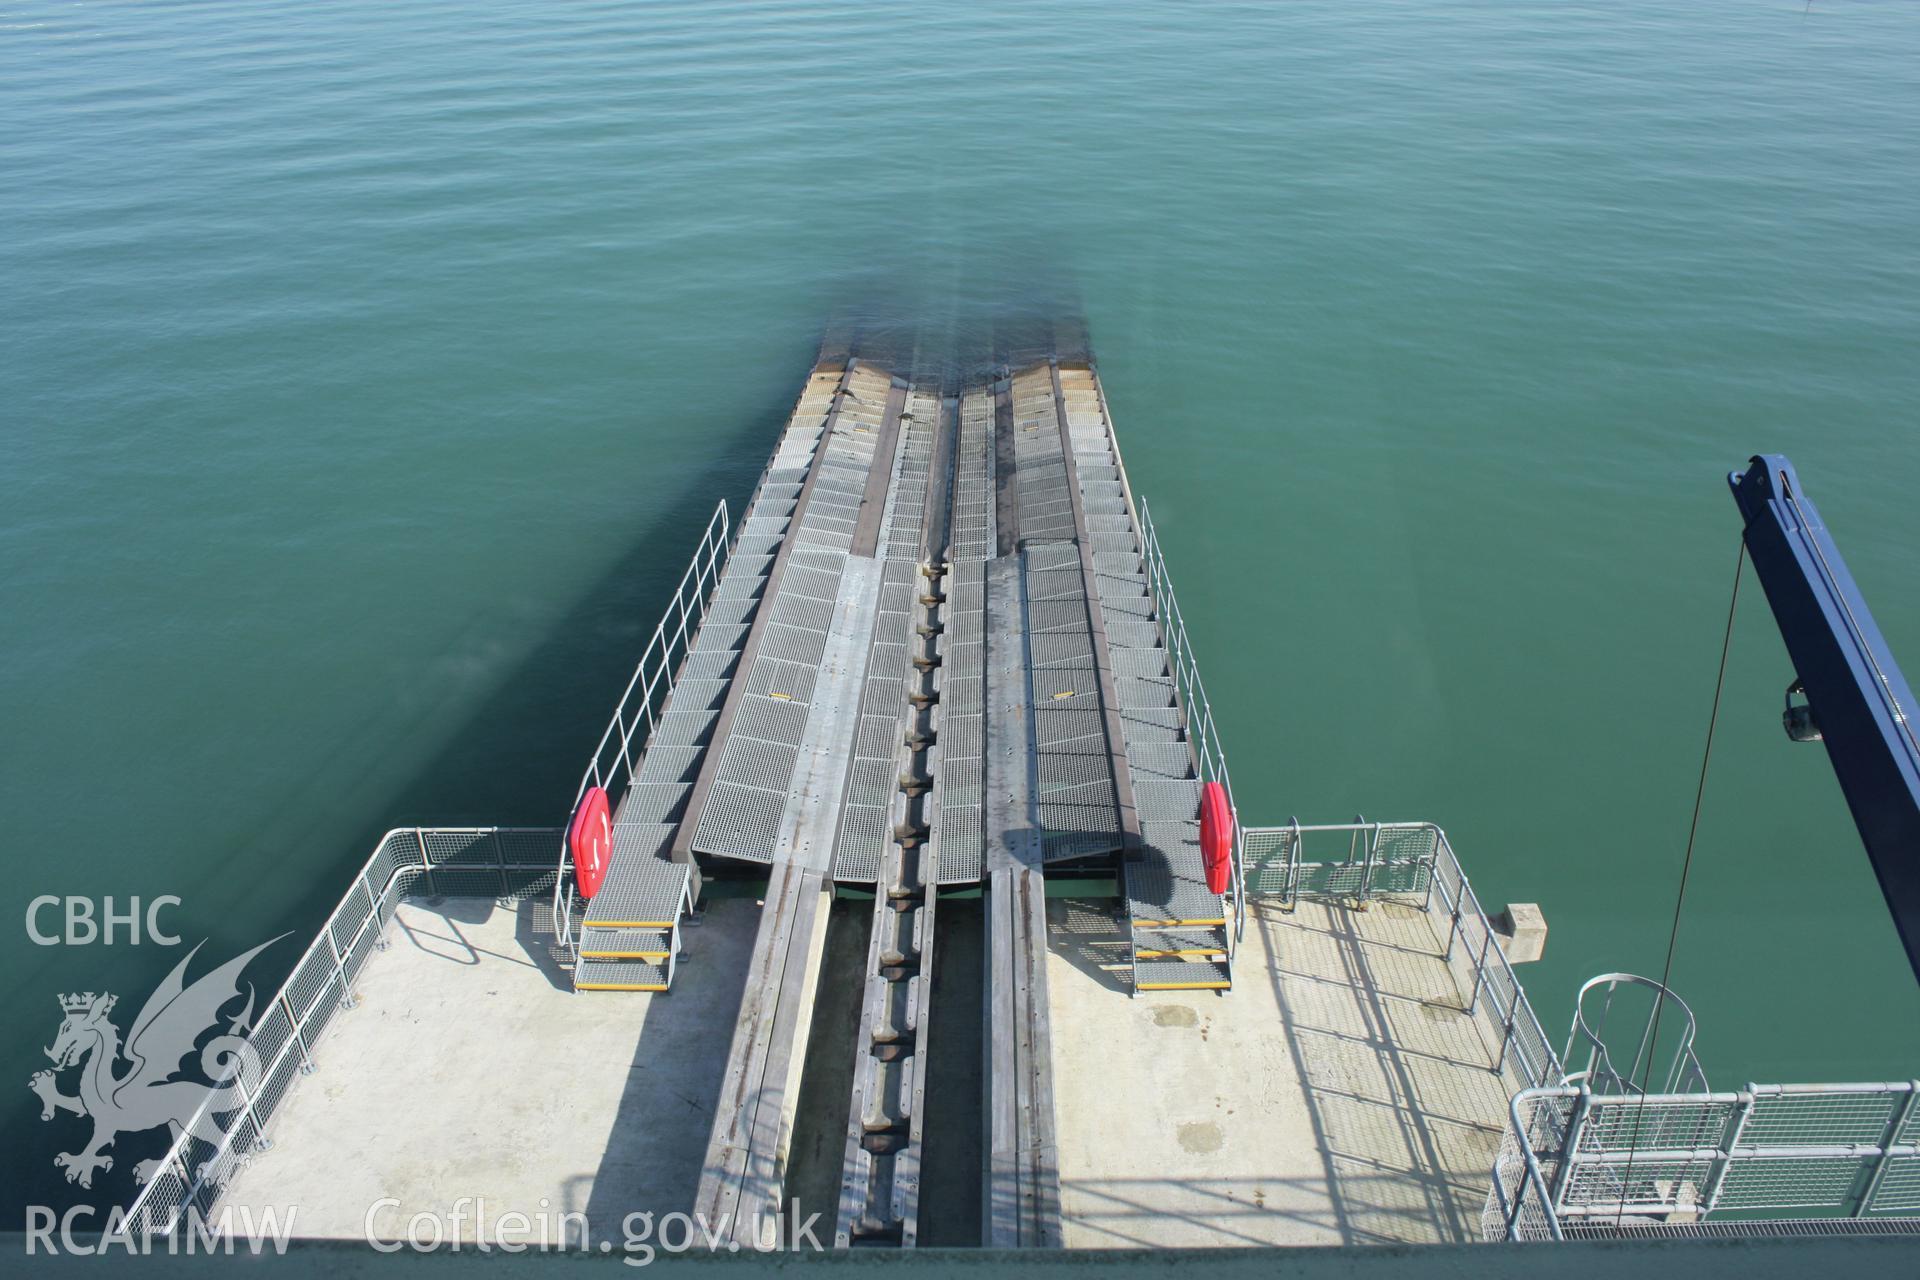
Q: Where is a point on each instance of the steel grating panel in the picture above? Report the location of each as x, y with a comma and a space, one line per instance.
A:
619, 975
1148, 664
1165, 884
642, 839
770, 720
1055, 687
1135, 692
684, 728
1159, 760
741, 821
654, 802
781, 680
1061, 649
1181, 975
862, 842
730, 612
1058, 724
1166, 799
626, 944
873, 782
697, 695
785, 643
710, 664
640, 892
878, 736
962, 843
717, 638
751, 762
791, 610
1059, 772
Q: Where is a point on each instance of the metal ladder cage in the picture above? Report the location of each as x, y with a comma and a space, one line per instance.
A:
1783, 1158
1600, 1154
616, 758
1210, 757
1684, 1073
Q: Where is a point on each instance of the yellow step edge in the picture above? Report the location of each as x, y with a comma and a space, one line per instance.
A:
628, 924
1177, 924
623, 955
1183, 986
619, 986
1162, 955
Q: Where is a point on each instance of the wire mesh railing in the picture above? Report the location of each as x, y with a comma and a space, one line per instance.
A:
1410, 861
502, 863
1575, 1162
1210, 757
616, 758
1356, 860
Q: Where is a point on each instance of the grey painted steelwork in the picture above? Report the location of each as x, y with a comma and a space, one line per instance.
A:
1575, 1158
1181, 934
937, 643
880, 1171
1021, 1187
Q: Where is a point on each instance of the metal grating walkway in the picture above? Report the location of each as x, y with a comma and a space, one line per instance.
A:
1178, 926
933, 658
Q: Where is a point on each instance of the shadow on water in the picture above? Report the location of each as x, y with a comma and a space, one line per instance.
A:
516, 759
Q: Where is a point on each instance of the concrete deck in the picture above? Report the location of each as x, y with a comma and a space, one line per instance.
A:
471, 1069
1336, 1096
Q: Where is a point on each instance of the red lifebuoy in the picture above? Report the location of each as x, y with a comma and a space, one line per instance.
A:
1216, 836
590, 837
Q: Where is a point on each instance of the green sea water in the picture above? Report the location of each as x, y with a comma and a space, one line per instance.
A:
367, 372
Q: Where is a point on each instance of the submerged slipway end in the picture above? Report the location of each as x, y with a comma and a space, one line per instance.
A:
902, 917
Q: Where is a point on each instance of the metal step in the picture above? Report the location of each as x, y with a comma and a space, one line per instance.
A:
626, 944
1166, 884
1182, 975
1164, 944
639, 893
620, 975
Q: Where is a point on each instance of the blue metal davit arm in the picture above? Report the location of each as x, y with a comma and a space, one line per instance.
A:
1860, 704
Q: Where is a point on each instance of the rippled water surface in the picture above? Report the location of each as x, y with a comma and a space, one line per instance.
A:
366, 372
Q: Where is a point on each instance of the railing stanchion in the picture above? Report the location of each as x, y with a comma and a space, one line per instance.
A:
1895, 1125
1480, 965
420, 839
307, 1064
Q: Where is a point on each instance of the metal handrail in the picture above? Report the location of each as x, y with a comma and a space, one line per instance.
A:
645, 698
325, 971
1436, 869
1210, 757
1824, 1148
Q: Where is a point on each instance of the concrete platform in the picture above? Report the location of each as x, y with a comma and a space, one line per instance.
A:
1336, 1096
470, 1068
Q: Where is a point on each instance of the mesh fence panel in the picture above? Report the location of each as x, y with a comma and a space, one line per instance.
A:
1793, 1183
280, 1073
459, 847
349, 916
1651, 1124
1899, 1189
1644, 1185
530, 847
1820, 1119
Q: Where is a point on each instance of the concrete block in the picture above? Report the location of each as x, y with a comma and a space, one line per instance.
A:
1523, 931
